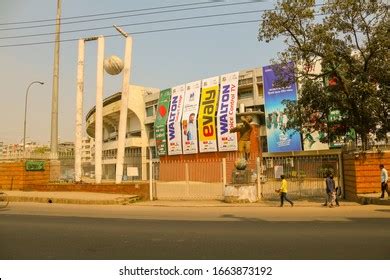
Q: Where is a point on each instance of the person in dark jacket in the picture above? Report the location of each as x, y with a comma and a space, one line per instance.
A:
331, 198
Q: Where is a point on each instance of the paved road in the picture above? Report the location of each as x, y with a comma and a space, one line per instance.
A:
41, 231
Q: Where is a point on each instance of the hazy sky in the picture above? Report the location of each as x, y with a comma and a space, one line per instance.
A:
160, 59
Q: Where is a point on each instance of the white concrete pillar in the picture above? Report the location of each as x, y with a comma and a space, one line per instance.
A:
99, 111
144, 163
224, 172
258, 178
79, 110
150, 174
123, 111
224, 179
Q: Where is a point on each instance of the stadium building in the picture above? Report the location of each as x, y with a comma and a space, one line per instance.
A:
140, 146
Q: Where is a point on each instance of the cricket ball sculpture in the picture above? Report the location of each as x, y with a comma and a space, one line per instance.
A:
113, 65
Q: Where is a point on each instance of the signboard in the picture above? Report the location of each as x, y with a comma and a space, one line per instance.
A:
160, 125
132, 171
279, 140
207, 111
35, 165
226, 117
174, 120
278, 171
188, 121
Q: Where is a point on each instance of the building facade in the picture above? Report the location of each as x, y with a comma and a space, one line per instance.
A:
139, 132
140, 145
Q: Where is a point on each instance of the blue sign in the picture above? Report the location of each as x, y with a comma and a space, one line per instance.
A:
278, 139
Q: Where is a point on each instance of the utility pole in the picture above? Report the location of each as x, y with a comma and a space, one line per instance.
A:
54, 101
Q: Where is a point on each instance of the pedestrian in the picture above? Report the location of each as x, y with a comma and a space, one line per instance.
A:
384, 180
283, 192
331, 191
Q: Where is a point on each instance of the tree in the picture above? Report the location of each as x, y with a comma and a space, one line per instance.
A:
41, 150
350, 41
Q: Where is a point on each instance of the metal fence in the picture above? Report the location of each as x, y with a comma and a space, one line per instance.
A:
201, 179
305, 174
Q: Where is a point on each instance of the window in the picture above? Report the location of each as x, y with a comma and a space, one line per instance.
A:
243, 82
150, 111
245, 94
151, 132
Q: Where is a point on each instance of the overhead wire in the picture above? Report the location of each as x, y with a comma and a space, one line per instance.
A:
133, 24
134, 33
124, 16
141, 23
104, 14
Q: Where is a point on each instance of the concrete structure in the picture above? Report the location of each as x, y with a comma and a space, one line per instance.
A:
99, 106
138, 132
142, 107
87, 150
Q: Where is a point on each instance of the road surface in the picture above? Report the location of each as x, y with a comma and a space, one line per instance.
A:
55, 231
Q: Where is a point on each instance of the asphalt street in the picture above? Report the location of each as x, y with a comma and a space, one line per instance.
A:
41, 231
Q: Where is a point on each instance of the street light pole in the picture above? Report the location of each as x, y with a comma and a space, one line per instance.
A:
25, 113
54, 102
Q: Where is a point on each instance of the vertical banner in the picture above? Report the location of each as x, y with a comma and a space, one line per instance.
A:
160, 125
278, 139
226, 116
174, 118
190, 114
207, 115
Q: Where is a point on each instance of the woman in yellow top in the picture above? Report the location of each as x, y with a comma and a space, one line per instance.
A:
283, 192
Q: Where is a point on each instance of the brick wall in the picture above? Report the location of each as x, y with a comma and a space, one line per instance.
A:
13, 175
362, 174
141, 189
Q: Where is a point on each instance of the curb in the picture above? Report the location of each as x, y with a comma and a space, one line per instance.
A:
118, 201
373, 200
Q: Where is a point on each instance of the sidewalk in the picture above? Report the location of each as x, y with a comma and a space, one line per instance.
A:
120, 199
70, 197
373, 198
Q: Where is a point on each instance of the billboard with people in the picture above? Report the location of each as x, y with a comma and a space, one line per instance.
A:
188, 121
279, 139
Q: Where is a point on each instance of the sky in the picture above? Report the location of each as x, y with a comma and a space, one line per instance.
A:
159, 59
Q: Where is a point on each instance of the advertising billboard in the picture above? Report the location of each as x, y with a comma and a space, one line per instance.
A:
226, 116
174, 118
279, 139
190, 114
207, 115
160, 125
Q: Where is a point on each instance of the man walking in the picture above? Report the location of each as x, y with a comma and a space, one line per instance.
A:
384, 180
331, 191
283, 192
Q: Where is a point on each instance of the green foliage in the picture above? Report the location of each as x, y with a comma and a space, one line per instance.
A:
41, 150
341, 49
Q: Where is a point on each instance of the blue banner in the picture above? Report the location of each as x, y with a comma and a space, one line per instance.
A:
279, 140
